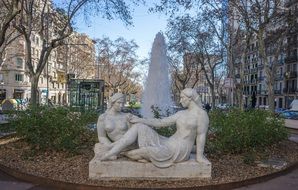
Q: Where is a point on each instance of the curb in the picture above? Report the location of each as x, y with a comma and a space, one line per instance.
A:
7, 135
42, 181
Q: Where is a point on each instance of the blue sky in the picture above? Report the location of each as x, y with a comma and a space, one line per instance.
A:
146, 26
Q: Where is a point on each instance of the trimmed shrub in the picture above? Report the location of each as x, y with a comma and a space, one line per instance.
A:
55, 128
239, 131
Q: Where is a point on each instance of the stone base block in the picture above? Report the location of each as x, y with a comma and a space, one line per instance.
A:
130, 169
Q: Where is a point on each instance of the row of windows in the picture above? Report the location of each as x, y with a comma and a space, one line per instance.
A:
20, 78
58, 85
20, 65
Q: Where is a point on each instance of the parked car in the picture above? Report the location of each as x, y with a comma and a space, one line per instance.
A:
289, 114
279, 110
223, 106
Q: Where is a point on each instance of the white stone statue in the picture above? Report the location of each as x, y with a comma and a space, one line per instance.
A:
192, 125
111, 125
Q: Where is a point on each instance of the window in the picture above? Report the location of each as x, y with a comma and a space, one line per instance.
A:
41, 80
19, 63
19, 77
37, 40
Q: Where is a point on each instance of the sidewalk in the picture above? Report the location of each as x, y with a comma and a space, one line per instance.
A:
290, 123
288, 182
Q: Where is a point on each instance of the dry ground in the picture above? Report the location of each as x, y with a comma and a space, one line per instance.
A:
74, 169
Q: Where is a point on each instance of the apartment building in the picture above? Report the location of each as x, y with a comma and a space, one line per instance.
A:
284, 61
290, 89
14, 76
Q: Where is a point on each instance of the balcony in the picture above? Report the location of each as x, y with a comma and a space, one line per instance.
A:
280, 62
253, 81
262, 92
288, 3
254, 60
291, 59
290, 74
261, 78
292, 43
290, 90
277, 92
246, 71
237, 76
260, 66
254, 70
279, 77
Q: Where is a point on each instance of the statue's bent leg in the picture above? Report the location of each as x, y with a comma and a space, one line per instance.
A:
138, 154
128, 138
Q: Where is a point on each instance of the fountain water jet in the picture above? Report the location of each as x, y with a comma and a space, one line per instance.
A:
157, 87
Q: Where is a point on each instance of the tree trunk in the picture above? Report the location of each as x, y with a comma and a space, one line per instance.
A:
271, 98
34, 91
212, 96
239, 98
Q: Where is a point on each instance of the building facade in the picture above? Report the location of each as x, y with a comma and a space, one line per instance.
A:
14, 75
250, 70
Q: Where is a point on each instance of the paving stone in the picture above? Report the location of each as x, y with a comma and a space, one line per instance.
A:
273, 163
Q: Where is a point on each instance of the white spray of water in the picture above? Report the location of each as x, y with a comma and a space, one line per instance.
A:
157, 86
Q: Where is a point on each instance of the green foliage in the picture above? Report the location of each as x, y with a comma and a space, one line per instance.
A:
134, 105
239, 131
55, 128
156, 111
165, 131
7, 128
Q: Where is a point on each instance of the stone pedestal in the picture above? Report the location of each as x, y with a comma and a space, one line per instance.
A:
129, 169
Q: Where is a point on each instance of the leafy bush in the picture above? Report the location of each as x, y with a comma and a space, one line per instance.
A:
7, 128
164, 131
55, 128
238, 131
134, 105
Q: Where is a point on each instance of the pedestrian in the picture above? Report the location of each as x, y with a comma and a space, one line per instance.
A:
207, 107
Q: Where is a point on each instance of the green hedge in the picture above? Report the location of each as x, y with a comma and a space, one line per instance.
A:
239, 131
55, 128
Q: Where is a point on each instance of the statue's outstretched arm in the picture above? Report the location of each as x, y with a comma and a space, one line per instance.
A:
165, 122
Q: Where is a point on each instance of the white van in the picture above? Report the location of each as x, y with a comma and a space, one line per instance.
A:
294, 105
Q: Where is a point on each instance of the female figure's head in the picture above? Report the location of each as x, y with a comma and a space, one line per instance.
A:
188, 95
116, 102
